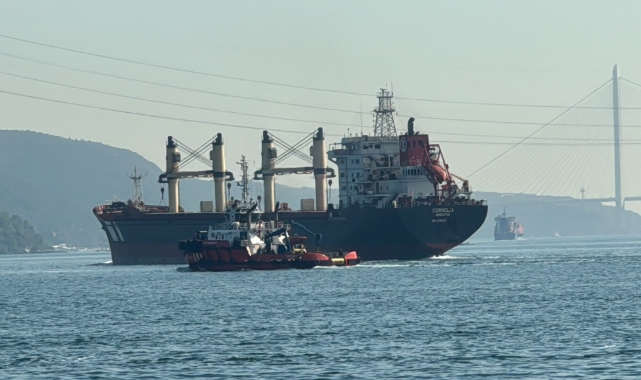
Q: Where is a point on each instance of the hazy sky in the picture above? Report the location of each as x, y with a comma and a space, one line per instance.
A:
532, 52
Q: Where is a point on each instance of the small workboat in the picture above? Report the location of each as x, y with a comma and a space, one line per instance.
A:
240, 244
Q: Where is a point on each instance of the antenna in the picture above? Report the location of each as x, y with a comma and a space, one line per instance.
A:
384, 123
360, 107
137, 187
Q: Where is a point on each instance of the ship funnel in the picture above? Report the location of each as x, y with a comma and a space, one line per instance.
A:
319, 164
173, 166
268, 154
410, 126
219, 168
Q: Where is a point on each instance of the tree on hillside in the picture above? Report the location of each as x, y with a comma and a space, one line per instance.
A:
18, 236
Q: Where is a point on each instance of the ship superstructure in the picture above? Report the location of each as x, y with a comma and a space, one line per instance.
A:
382, 172
371, 173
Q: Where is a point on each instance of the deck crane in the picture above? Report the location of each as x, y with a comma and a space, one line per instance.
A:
317, 236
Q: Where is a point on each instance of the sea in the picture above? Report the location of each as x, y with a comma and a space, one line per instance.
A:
527, 309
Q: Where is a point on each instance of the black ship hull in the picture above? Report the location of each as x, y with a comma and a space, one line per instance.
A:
375, 233
504, 236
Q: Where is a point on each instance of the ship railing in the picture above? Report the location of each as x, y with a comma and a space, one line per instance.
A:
265, 226
408, 202
271, 226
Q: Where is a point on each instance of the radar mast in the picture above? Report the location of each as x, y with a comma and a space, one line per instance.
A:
384, 123
137, 186
244, 180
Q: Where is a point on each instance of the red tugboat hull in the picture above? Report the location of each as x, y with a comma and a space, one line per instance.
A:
225, 259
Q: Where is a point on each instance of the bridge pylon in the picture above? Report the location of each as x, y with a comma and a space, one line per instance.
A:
617, 145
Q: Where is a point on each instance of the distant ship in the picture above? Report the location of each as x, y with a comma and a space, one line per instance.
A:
397, 198
507, 228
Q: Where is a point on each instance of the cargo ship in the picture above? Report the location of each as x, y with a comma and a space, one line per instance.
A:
507, 228
397, 198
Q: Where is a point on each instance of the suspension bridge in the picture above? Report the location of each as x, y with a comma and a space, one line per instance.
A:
588, 151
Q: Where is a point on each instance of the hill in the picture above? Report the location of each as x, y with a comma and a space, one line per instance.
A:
55, 182
18, 236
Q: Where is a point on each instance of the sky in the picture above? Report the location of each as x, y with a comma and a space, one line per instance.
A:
516, 52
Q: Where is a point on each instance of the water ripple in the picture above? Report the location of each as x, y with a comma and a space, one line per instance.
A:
534, 308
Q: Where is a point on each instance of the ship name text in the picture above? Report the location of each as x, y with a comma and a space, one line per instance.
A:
442, 211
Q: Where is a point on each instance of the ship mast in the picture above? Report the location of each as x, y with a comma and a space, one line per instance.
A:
244, 181
384, 124
137, 186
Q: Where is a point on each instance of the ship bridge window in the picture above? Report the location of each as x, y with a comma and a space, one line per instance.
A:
377, 146
421, 143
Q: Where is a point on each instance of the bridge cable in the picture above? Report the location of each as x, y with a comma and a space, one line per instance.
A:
131, 61
183, 88
185, 70
174, 104
153, 115
250, 114
278, 102
528, 159
540, 129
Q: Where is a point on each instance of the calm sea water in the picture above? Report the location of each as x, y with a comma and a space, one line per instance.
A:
538, 308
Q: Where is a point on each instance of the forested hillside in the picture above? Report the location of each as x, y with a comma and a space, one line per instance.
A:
18, 236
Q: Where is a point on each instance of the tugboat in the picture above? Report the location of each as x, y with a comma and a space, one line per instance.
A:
507, 228
240, 244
